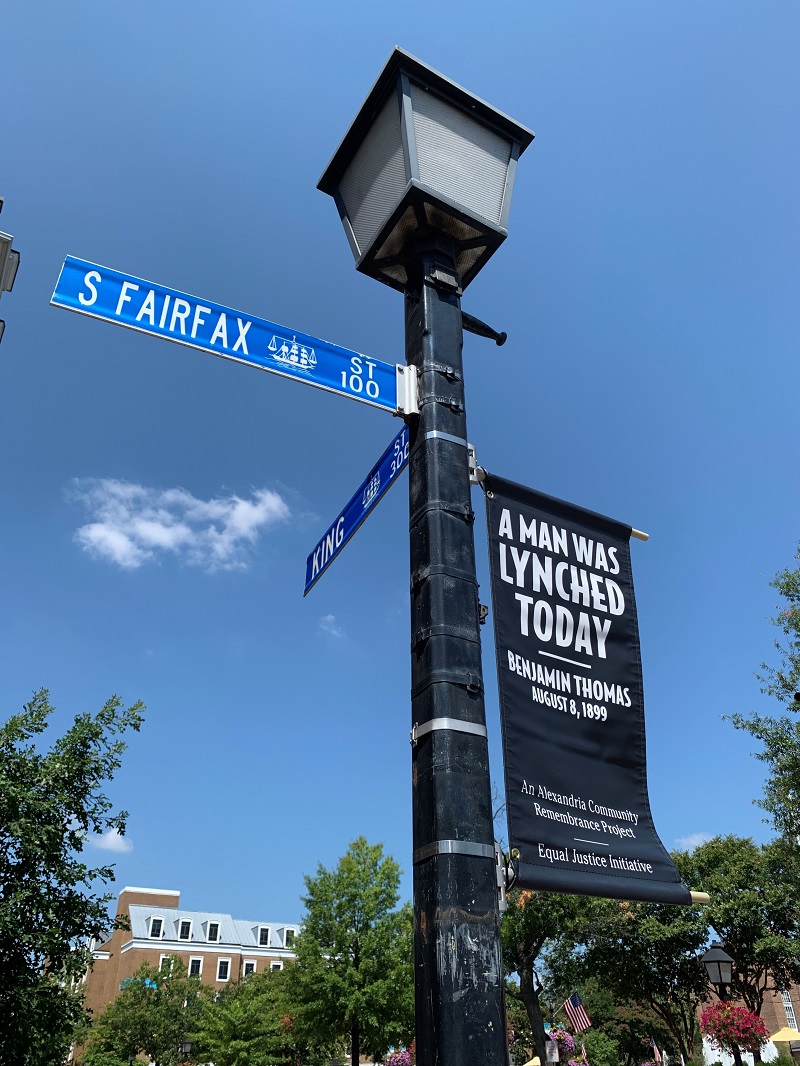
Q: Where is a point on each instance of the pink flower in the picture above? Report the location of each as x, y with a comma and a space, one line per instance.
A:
727, 1025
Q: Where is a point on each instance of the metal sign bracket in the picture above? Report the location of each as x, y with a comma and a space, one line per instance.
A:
477, 475
407, 390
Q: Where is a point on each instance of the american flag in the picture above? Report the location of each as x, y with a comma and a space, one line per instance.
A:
656, 1052
576, 1012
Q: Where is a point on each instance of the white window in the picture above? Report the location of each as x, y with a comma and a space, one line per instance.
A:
263, 936
223, 969
156, 927
788, 1006
289, 938
249, 967
276, 966
213, 932
195, 966
185, 929
165, 963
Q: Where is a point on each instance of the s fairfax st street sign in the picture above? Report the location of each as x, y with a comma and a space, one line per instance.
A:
128, 301
373, 488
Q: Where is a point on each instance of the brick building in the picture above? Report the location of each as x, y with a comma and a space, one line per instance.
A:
215, 947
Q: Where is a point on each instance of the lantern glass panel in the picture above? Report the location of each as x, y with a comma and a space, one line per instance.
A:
375, 179
459, 157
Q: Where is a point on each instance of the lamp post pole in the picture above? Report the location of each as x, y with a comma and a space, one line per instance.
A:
457, 958
422, 181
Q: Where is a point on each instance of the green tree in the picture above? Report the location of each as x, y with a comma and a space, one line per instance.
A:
353, 979
49, 803
154, 1013
249, 1024
646, 955
533, 922
755, 909
628, 1027
780, 736
601, 1048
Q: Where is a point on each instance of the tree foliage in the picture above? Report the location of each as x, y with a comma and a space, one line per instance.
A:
647, 956
630, 1026
49, 803
755, 910
532, 922
155, 1011
780, 736
248, 1024
353, 979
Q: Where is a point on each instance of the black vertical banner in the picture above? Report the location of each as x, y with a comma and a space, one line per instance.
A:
571, 702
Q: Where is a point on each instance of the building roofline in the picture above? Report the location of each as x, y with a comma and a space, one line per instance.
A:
152, 891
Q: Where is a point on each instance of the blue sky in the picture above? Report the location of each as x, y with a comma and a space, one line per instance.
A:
159, 504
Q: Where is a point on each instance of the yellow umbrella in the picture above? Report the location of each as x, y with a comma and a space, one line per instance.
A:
533, 1062
785, 1035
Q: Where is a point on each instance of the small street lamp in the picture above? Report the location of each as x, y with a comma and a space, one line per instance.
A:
423, 182
719, 967
9, 264
424, 154
186, 1050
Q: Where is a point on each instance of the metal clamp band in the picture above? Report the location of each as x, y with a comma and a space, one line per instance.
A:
419, 636
448, 401
465, 511
473, 683
425, 572
453, 847
444, 369
437, 434
458, 725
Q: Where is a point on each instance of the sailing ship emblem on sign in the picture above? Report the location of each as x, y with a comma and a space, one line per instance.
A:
290, 353
371, 491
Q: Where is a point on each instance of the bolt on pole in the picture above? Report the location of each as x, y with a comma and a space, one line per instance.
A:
458, 972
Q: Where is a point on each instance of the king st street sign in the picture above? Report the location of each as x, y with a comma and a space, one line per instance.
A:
366, 497
142, 305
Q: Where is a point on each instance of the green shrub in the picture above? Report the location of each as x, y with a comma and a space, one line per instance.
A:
601, 1050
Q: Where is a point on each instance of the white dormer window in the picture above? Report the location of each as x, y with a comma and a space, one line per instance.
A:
185, 929
263, 936
288, 939
213, 932
156, 927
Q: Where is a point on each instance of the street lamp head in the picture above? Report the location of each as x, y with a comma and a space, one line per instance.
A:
423, 154
9, 263
718, 964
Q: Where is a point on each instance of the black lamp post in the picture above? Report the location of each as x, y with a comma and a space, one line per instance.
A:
9, 264
185, 1050
423, 182
719, 967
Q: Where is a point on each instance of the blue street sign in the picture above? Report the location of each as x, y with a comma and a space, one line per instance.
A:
128, 301
377, 482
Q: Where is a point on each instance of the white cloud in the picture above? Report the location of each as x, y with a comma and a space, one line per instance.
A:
329, 625
112, 841
692, 841
133, 524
